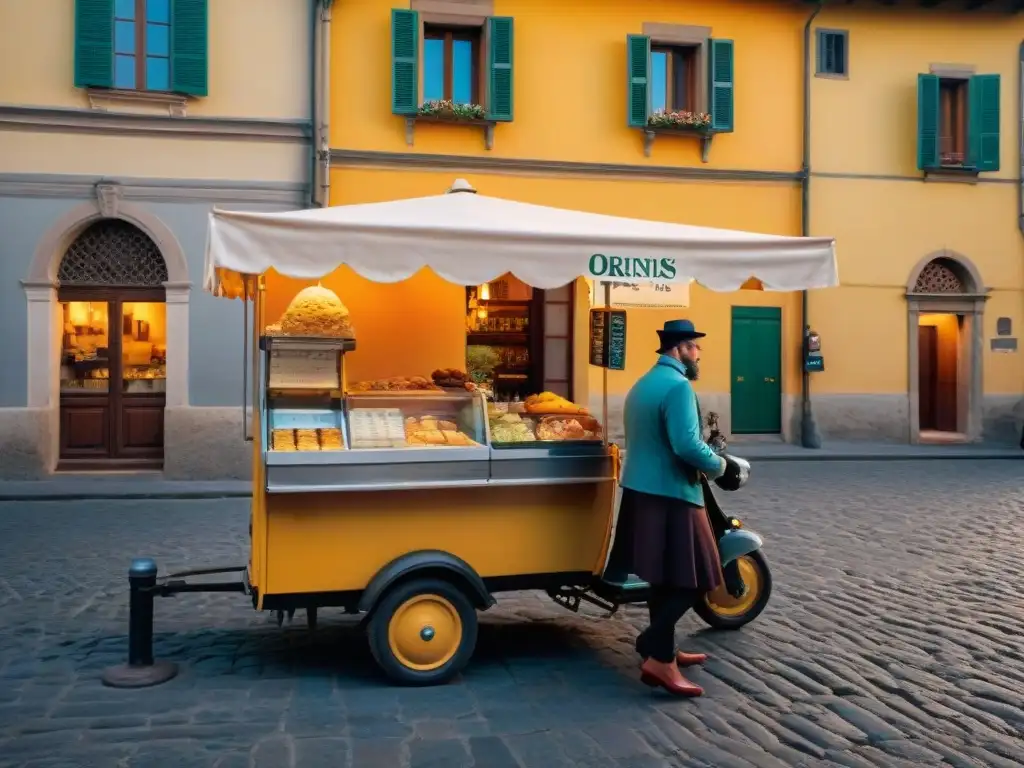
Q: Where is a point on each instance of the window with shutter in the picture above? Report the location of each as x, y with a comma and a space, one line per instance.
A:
833, 54
720, 85
983, 122
142, 45
638, 80
500, 46
453, 65
679, 80
957, 121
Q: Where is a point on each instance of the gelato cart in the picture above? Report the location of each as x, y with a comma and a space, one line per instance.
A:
412, 500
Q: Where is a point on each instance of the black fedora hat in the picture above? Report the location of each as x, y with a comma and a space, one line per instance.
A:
676, 332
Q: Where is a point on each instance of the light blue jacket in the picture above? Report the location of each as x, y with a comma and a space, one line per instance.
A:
665, 446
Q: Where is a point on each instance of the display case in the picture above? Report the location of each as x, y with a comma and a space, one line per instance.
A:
317, 436
557, 447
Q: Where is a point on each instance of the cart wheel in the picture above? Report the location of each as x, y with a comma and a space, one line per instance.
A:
723, 611
423, 632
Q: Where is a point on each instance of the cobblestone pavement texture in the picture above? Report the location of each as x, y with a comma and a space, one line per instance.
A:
895, 637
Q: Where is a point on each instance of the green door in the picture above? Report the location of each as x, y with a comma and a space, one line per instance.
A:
756, 385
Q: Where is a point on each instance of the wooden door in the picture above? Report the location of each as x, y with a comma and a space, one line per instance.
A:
756, 386
928, 376
558, 340
111, 414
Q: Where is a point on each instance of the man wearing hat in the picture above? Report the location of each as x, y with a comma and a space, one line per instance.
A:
664, 535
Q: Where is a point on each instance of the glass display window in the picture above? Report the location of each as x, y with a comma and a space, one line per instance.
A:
85, 346
143, 346
413, 420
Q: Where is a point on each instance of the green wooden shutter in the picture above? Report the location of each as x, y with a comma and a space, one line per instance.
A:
638, 80
721, 96
94, 43
927, 122
189, 47
405, 64
499, 62
983, 122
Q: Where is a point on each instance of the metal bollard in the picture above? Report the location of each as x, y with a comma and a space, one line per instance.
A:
141, 670
141, 581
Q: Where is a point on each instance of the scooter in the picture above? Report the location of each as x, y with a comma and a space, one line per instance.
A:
748, 579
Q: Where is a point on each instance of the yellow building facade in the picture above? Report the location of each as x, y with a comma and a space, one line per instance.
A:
569, 105
915, 169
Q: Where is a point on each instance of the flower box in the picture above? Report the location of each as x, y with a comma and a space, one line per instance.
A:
681, 123
450, 112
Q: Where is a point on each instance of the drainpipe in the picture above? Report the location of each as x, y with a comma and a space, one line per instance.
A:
809, 435
325, 103
314, 105
1020, 141
320, 69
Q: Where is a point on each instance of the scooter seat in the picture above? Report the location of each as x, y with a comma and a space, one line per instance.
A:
625, 582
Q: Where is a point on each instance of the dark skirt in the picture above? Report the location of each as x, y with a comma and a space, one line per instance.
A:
667, 542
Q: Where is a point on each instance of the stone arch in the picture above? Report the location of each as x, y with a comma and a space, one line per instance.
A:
65, 230
947, 282
40, 286
958, 265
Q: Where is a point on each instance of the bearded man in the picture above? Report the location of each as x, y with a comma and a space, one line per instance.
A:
663, 532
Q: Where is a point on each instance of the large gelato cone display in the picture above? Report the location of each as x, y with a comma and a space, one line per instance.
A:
315, 311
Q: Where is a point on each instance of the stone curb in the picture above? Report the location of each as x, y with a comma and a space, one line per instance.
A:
127, 495
241, 490
817, 456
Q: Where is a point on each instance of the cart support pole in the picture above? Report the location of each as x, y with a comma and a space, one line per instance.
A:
141, 671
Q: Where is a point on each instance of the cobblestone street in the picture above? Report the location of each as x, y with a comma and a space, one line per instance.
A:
895, 637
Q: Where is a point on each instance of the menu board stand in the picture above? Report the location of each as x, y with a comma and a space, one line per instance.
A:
608, 338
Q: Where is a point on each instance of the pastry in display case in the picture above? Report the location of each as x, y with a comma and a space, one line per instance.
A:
549, 402
314, 312
395, 384
306, 430
544, 418
444, 420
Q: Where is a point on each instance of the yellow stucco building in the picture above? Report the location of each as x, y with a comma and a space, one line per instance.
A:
570, 104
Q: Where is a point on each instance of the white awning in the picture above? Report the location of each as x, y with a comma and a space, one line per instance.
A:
469, 239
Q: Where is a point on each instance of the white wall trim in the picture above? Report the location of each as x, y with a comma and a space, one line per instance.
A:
177, 296
82, 186
44, 323
70, 120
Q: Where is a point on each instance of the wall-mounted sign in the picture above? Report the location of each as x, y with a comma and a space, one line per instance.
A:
608, 339
1003, 346
1004, 326
643, 294
814, 363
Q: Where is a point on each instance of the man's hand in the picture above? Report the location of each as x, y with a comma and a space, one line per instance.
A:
721, 470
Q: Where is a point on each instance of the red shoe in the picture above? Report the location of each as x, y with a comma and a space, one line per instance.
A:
684, 659
680, 687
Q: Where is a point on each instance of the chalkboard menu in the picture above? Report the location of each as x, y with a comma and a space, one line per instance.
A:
608, 338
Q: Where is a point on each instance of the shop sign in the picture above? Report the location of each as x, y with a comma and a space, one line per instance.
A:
814, 363
645, 294
608, 339
622, 268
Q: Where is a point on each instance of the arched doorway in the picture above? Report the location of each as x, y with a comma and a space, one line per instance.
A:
113, 350
946, 302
